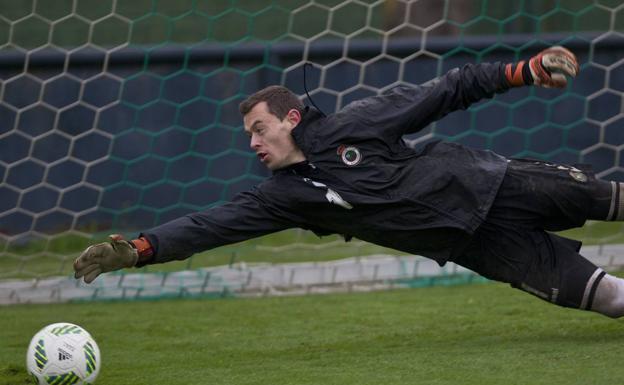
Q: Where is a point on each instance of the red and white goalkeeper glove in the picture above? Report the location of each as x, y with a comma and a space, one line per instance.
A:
548, 68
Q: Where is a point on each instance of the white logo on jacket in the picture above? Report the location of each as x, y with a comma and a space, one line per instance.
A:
331, 195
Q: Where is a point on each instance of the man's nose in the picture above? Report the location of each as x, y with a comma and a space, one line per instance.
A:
254, 142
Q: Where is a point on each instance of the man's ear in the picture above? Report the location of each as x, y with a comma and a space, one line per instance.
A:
293, 117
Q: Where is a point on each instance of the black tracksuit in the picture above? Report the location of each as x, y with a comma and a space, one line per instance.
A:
362, 180
442, 200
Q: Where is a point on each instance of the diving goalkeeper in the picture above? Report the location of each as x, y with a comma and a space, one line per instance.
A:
351, 173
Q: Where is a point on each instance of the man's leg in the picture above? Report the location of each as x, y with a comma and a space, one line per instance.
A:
554, 197
511, 247
608, 298
545, 265
608, 201
605, 290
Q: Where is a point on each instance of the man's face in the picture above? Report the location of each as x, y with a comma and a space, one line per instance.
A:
271, 138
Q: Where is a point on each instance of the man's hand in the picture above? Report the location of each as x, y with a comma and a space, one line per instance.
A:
104, 257
548, 68
551, 66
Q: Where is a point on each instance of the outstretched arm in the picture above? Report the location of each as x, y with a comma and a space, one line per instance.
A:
247, 216
408, 109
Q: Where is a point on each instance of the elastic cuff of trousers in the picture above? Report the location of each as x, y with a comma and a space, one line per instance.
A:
518, 74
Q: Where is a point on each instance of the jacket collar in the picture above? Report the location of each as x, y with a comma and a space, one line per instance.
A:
302, 168
309, 116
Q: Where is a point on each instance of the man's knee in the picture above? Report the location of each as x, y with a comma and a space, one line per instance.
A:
608, 201
609, 297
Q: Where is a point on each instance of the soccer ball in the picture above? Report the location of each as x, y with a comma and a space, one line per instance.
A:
63, 353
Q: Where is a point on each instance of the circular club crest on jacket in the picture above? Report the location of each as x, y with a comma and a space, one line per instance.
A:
350, 155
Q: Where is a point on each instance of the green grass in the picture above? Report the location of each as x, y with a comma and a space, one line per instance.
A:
478, 334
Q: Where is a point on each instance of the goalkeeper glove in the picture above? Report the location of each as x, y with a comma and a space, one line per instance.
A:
109, 256
548, 68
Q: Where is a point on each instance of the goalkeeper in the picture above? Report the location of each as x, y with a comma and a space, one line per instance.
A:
351, 173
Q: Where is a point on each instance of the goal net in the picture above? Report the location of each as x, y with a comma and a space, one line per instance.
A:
119, 115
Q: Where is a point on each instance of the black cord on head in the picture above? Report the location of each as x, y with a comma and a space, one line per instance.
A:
305, 87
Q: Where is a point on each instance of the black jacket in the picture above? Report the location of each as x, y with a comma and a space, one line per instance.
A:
361, 179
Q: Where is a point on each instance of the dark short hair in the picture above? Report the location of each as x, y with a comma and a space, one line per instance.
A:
279, 101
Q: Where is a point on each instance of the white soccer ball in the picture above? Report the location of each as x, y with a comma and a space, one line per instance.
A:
63, 353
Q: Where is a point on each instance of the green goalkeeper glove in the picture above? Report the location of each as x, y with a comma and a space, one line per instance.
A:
548, 68
104, 257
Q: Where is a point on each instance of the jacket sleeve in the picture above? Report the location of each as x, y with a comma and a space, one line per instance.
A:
407, 109
247, 216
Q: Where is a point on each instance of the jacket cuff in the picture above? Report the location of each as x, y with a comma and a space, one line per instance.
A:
144, 249
518, 74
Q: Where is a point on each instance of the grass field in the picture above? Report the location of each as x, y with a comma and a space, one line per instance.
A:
478, 334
